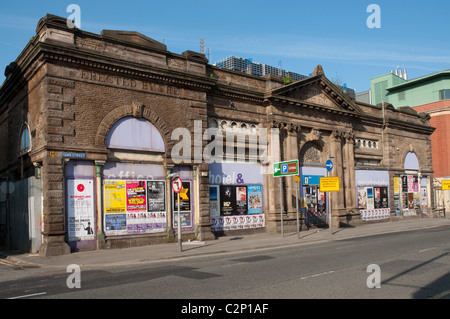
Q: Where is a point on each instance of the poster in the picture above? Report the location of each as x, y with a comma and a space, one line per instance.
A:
156, 196
135, 207
185, 207
384, 197
136, 196
115, 197
80, 204
227, 200
377, 197
370, 200
254, 194
396, 185
214, 201
362, 197
241, 200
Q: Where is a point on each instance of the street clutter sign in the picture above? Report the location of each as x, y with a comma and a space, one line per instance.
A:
329, 184
329, 165
446, 185
285, 169
177, 185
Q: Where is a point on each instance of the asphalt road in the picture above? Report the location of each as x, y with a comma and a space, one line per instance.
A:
413, 265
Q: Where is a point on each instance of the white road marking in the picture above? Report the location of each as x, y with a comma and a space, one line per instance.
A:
28, 296
318, 275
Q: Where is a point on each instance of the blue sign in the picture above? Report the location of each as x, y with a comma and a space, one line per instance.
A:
73, 155
311, 179
284, 168
329, 165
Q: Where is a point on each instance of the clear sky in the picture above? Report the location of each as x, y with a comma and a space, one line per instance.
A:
414, 35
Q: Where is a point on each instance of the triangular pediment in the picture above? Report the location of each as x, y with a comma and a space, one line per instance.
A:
317, 90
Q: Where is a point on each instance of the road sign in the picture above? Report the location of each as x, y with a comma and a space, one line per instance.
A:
329, 165
329, 184
446, 185
177, 185
285, 168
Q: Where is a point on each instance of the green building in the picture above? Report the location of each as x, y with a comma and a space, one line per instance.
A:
398, 91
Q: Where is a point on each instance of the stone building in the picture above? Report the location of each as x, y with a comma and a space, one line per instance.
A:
93, 125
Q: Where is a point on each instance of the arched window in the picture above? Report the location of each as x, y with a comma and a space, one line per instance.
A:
25, 141
411, 162
135, 134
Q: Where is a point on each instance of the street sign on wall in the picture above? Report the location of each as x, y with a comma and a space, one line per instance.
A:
329, 184
446, 185
289, 168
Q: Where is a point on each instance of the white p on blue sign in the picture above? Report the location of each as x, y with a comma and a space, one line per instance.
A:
329, 165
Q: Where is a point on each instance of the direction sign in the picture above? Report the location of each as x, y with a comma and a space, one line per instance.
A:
446, 185
329, 184
329, 165
285, 168
177, 185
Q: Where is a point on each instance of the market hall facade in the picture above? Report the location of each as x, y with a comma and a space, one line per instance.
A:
93, 126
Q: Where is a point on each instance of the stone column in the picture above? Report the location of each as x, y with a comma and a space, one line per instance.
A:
349, 160
291, 152
52, 174
99, 181
337, 198
272, 186
203, 227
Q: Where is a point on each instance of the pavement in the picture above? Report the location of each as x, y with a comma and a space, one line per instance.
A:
221, 246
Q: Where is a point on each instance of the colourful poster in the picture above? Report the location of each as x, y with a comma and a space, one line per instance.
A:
254, 195
135, 207
136, 197
241, 200
214, 201
80, 204
115, 197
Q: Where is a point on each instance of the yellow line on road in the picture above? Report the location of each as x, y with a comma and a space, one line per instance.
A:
442, 294
7, 262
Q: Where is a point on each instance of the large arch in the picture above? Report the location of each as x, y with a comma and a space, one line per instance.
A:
136, 111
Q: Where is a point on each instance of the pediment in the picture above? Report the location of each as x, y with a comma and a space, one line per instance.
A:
317, 91
134, 38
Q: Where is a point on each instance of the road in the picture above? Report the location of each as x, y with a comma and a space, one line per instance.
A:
413, 265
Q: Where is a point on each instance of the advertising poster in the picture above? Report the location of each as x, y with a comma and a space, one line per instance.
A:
214, 201
136, 197
80, 203
254, 194
384, 197
396, 185
377, 197
185, 206
410, 184
362, 198
134, 207
156, 196
116, 223
115, 197
227, 200
241, 200
370, 200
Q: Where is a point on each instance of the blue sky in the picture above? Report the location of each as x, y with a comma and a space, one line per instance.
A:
301, 34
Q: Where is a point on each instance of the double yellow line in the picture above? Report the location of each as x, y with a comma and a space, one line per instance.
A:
8, 263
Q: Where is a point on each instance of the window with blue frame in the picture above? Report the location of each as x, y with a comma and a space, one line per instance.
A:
444, 94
